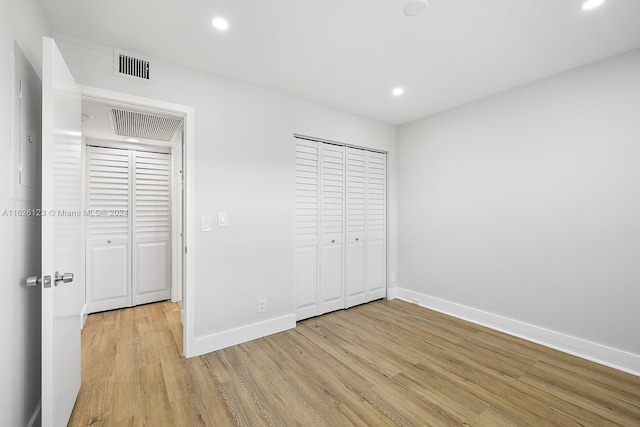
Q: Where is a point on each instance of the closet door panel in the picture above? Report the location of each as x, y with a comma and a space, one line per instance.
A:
355, 274
331, 276
109, 287
307, 205
356, 223
332, 205
151, 269
306, 281
151, 227
376, 235
376, 270
107, 229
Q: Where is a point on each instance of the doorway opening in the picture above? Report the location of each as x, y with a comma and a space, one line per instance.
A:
138, 157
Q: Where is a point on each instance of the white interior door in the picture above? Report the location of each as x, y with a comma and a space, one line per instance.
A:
376, 237
151, 212
356, 222
331, 228
108, 238
307, 198
61, 238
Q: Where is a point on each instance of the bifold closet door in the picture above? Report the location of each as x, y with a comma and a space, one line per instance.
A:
128, 258
108, 251
356, 291
366, 226
376, 226
340, 227
307, 196
151, 227
332, 205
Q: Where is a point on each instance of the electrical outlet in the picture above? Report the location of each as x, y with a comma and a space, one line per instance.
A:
415, 301
262, 305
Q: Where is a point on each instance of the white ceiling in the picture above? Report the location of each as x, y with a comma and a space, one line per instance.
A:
349, 54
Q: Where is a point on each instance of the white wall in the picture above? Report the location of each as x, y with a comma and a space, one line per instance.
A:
6, 304
522, 211
244, 166
25, 22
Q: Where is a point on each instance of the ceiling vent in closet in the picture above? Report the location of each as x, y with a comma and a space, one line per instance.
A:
127, 65
143, 125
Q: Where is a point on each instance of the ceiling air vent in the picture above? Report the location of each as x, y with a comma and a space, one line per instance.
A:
143, 125
127, 65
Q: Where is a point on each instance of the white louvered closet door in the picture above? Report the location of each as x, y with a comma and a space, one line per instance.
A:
340, 227
356, 226
108, 249
151, 227
307, 176
376, 225
332, 205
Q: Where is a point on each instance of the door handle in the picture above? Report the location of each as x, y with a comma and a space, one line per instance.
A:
333, 240
37, 280
357, 239
64, 278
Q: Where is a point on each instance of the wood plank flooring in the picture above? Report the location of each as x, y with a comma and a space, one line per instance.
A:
384, 363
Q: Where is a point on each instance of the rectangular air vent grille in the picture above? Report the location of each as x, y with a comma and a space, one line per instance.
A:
127, 65
143, 125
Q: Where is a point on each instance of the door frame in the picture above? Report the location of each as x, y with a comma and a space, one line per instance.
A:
188, 222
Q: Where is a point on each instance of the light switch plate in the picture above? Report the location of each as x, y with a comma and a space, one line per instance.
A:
206, 223
222, 219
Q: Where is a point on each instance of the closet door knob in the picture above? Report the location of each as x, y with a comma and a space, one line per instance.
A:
108, 241
64, 278
333, 240
357, 239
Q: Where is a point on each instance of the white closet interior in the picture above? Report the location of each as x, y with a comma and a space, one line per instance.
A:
128, 259
340, 227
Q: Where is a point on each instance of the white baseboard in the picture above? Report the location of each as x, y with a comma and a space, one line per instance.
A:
35, 417
392, 293
83, 316
604, 355
224, 339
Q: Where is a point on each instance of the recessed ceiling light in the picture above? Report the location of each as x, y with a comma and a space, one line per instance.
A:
591, 4
220, 23
398, 91
132, 140
415, 7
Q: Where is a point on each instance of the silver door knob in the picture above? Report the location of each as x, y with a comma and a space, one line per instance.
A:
34, 281
108, 241
357, 239
37, 280
64, 278
333, 240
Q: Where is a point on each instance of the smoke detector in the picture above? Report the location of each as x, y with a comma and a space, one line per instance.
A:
416, 7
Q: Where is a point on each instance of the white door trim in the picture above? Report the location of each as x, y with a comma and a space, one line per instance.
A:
188, 297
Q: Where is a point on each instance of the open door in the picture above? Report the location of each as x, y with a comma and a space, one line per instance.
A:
62, 277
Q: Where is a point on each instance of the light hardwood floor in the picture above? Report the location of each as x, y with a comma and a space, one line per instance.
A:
382, 363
